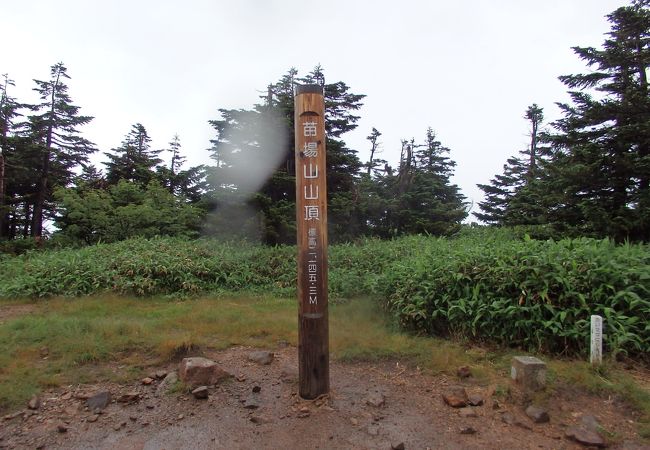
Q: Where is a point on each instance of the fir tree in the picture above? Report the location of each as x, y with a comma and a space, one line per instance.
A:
243, 135
601, 150
374, 162
8, 111
134, 160
189, 183
511, 198
428, 202
53, 133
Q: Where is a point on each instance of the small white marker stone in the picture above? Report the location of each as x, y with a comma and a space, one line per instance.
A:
596, 356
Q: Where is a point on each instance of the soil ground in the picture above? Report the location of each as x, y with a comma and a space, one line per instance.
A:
413, 413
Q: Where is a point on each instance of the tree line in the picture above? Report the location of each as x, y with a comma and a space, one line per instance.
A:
588, 174
585, 174
46, 175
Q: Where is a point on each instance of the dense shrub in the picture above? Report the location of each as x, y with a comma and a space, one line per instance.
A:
538, 295
484, 284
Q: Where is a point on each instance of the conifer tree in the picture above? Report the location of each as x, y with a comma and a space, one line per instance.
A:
238, 140
189, 183
601, 148
53, 133
426, 200
512, 198
374, 162
134, 160
8, 111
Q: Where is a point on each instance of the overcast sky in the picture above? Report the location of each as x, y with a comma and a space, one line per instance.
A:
468, 69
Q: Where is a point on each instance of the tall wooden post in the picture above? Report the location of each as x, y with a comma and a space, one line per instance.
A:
311, 224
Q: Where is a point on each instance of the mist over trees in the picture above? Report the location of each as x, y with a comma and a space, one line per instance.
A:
586, 174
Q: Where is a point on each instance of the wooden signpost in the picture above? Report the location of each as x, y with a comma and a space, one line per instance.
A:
311, 224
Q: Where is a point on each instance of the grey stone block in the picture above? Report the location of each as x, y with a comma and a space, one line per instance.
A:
529, 372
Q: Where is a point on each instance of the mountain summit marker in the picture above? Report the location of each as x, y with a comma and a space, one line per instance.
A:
311, 225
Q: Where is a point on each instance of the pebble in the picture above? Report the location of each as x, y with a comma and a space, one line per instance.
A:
251, 403
34, 402
129, 397
99, 401
200, 392
373, 429
147, 381
261, 357
62, 428
467, 430
537, 414
467, 412
375, 399
398, 446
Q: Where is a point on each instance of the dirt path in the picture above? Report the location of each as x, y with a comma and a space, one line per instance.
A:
412, 414
10, 311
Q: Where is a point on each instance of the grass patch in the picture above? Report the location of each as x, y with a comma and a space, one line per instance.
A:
360, 331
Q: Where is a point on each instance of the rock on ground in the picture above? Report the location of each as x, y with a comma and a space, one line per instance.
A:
537, 414
99, 401
34, 402
198, 371
167, 383
375, 399
585, 437
261, 357
200, 392
455, 397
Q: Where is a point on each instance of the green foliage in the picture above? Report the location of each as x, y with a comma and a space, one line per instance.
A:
514, 198
123, 211
484, 284
419, 198
134, 160
602, 146
523, 293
